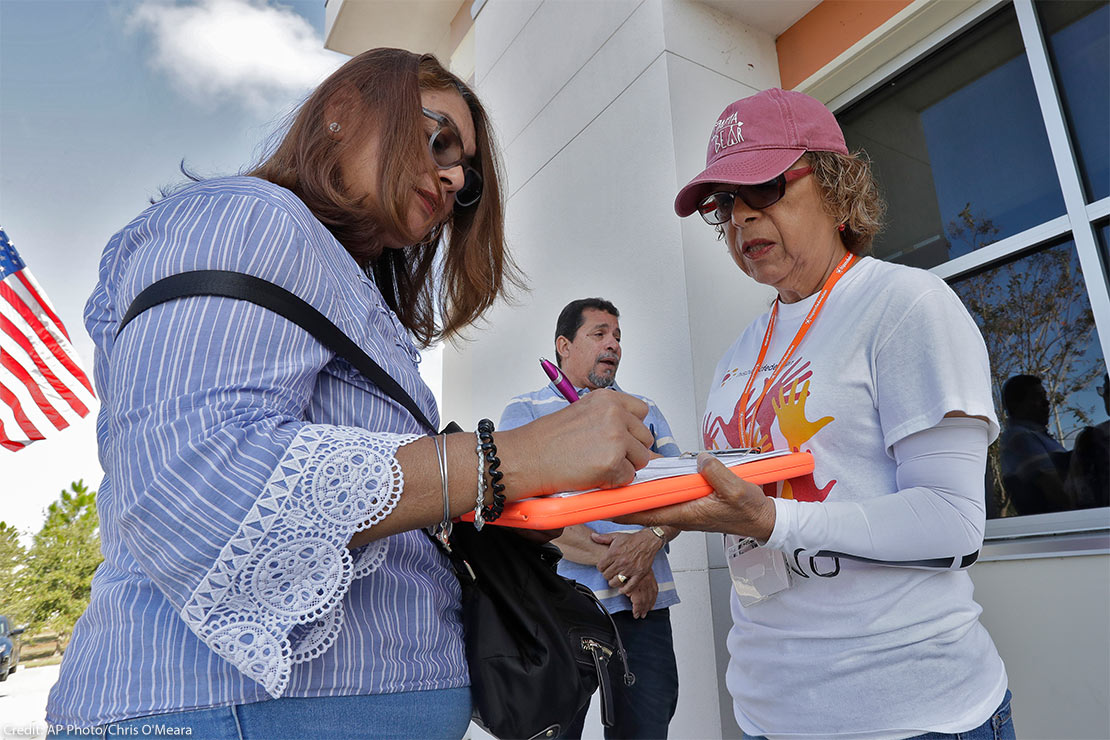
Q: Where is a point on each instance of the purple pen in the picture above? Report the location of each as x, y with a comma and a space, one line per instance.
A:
561, 383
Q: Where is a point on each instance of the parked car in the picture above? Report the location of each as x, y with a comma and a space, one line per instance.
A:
9, 647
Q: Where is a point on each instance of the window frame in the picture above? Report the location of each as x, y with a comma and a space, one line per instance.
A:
1066, 533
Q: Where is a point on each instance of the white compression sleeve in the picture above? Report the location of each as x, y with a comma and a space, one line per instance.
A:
934, 519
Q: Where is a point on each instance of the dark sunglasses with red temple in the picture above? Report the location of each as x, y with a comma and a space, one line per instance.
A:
446, 147
716, 208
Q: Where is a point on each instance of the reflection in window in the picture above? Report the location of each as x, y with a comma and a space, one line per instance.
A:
1046, 369
1077, 34
959, 147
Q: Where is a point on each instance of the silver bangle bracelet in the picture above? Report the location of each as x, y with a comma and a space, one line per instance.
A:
443, 529
479, 520
441, 456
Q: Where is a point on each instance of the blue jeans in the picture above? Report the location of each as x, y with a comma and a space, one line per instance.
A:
643, 710
1000, 726
444, 713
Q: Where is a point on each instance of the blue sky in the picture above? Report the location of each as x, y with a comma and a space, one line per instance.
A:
100, 101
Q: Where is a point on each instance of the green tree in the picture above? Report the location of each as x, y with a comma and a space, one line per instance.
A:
65, 553
12, 558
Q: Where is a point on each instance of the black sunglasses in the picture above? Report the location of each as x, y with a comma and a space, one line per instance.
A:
716, 208
446, 147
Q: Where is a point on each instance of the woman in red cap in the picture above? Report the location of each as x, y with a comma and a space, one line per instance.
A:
853, 612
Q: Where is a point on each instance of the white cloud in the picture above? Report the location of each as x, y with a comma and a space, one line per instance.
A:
235, 51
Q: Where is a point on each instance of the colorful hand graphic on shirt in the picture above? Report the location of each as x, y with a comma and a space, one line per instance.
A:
765, 414
788, 408
716, 427
791, 412
804, 488
716, 430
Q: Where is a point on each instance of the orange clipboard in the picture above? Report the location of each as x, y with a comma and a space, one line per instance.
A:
553, 512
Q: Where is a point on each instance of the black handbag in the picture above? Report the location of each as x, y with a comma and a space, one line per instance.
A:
537, 645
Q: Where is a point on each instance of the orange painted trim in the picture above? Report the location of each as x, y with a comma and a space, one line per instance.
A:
825, 32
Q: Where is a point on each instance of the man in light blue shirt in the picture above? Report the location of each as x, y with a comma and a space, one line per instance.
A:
626, 566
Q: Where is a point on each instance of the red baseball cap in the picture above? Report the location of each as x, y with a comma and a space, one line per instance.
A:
757, 138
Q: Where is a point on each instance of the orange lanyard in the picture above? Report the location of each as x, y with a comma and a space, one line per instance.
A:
747, 430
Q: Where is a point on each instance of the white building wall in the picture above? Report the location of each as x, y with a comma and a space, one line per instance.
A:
1050, 618
602, 109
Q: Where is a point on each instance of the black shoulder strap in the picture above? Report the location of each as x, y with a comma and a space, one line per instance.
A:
279, 300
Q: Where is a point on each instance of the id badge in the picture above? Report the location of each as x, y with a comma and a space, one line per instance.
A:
757, 572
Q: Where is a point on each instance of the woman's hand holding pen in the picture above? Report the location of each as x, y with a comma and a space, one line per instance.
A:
598, 442
733, 506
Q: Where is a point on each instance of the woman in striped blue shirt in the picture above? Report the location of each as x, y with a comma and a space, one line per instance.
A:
264, 572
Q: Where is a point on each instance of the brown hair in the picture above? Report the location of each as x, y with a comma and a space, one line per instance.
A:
850, 195
382, 87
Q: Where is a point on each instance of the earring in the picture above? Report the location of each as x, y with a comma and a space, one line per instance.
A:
334, 127
841, 227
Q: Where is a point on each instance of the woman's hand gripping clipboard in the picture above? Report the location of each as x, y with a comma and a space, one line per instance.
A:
664, 481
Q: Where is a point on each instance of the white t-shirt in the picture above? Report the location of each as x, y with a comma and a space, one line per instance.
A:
874, 651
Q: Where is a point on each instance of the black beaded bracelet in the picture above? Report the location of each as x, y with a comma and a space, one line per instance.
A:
485, 438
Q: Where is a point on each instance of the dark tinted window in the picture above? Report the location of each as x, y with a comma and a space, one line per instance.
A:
1077, 34
959, 147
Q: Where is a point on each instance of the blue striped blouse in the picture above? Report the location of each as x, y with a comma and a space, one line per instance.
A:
240, 456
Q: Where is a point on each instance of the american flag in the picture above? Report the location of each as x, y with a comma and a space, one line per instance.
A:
42, 385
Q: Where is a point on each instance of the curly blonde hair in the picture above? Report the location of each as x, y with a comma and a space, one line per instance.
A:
851, 196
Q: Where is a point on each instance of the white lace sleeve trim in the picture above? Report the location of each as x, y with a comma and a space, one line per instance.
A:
280, 580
